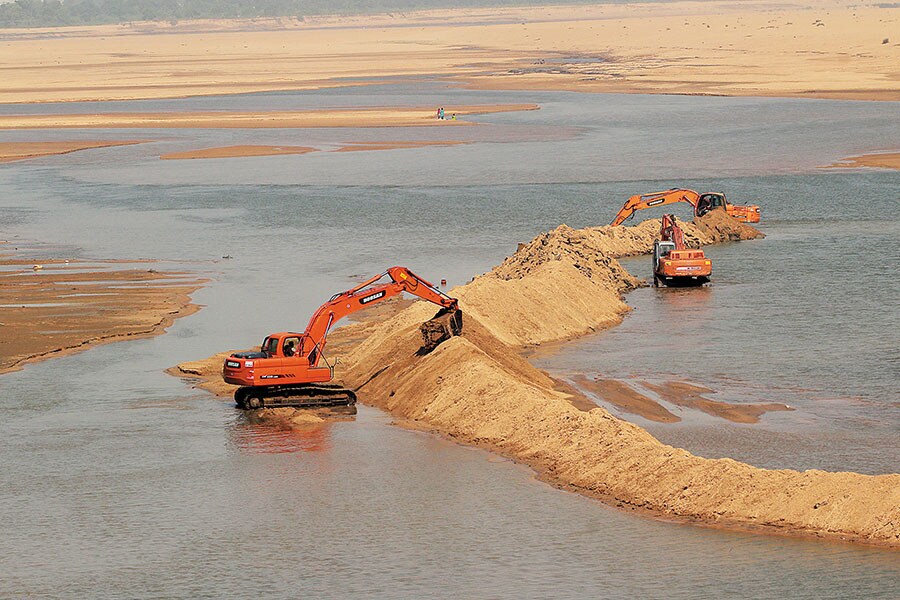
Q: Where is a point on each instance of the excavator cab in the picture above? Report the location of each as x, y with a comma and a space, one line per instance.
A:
708, 202
661, 249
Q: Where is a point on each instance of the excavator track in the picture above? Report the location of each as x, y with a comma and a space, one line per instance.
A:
679, 281
320, 395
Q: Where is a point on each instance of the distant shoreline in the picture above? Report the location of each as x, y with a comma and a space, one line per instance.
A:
830, 49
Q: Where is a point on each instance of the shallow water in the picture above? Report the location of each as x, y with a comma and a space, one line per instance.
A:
804, 317
119, 480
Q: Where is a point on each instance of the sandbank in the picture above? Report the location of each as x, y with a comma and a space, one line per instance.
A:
54, 308
621, 395
686, 394
888, 160
800, 48
237, 151
11, 151
357, 117
680, 393
251, 150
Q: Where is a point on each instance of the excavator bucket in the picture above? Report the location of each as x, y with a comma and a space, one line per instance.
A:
445, 324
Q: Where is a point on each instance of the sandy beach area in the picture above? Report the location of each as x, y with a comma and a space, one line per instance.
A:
242, 151
825, 49
53, 308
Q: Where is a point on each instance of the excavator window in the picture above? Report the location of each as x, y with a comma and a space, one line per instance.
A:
270, 346
291, 346
712, 200
707, 202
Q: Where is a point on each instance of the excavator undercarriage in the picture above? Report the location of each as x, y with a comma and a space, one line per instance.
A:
309, 395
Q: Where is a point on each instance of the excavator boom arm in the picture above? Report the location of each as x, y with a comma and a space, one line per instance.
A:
642, 201
367, 293
670, 231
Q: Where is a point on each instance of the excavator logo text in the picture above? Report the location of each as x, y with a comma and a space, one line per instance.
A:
372, 298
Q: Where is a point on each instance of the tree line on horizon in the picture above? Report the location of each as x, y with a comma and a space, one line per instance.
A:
56, 13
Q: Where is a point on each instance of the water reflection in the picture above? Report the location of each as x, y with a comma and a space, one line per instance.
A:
694, 300
267, 437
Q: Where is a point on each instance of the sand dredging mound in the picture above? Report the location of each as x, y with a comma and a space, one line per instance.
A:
478, 389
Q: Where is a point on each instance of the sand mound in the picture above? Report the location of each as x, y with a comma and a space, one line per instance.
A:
567, 282
477, 389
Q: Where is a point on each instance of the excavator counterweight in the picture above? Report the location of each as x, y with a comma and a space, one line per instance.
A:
290, 369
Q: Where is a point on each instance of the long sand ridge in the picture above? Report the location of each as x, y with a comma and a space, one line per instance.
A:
478, 389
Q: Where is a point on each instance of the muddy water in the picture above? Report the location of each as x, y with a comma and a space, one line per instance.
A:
119, 481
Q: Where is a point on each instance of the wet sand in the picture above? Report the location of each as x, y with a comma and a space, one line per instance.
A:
823, 49
12, 151
61, 308
237, 151
890, 160
688, 395
366, 146
621, 395
628, 399
248, 150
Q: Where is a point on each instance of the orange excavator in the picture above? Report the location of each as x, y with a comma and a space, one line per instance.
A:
701, 203
290, 369
674, 264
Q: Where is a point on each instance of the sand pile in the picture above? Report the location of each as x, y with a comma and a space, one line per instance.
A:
477, 389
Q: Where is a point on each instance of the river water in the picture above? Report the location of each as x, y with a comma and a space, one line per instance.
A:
121, 481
